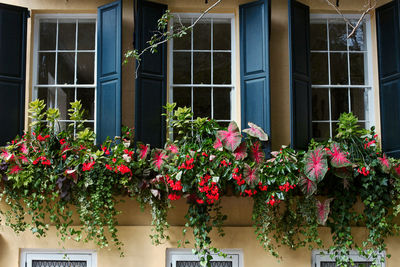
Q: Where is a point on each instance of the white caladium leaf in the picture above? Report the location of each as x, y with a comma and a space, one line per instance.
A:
256, 131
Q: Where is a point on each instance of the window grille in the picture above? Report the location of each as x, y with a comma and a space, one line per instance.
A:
56, 263
356, 264
197, 264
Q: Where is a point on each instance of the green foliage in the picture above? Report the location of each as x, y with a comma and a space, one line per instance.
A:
52, 177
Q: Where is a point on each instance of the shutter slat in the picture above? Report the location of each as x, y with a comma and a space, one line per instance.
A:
388, 36
109, 71
300, 78
13, 21
254, 64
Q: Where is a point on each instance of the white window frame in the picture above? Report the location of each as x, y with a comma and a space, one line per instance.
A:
35, 85
368, 65
319, 256
29, 255
211, 16
181, 254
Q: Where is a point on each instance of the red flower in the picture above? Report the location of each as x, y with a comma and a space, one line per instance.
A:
62, 141
109, 167
64, 157
42, 138
88, 166
114, 160
174, 196
46, 162
81, 147
124, 169
105, 150
15, 169
200, 201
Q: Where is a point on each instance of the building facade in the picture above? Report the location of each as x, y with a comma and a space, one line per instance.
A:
286, 65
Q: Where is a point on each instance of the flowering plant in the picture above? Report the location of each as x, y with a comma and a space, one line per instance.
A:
47, 172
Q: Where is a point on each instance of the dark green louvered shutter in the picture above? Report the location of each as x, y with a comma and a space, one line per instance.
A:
387, 22
12, 70
300, 78
254, 64
109, 71
151, 81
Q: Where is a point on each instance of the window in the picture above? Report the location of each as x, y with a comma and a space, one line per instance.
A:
36, 258
185, 258
65, 63
201, 67
323, 259
340, 74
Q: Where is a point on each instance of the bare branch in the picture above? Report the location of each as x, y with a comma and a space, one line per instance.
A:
369, 7
164, 37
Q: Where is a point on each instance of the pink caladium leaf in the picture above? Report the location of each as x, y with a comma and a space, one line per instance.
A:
250, 175
397, 170
158, 159
256, 153
307, 186
172, 148
385, 164
143, 150
218, 145
256, 131
316, 164
323, 210
24, 149
241, 152
338, 157
231, 137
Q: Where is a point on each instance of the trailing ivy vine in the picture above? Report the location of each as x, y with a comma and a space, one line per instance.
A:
53, 177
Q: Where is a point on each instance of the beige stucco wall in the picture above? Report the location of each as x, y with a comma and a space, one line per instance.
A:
134, 225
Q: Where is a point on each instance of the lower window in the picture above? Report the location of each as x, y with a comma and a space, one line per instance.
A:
185, 258
323, 259
57, 259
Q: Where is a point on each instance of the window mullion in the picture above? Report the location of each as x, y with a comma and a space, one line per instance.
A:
212, 68
329, 79
348, 68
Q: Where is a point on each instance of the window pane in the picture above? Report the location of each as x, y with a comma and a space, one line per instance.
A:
356, 42
86, 96
182, 68
89, 125
339, 73
319, 68
46, 64
86, 35
65, 68
202, 102
318, 37
339, 101
221, 34
66, 35
184, 42
222, 103
48, 95
337, 36
85, 68
357, 68
320, 104
48, 32
64, 97
321, 130
202, 35
202, 68
182, 97
222, 68
359, 102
